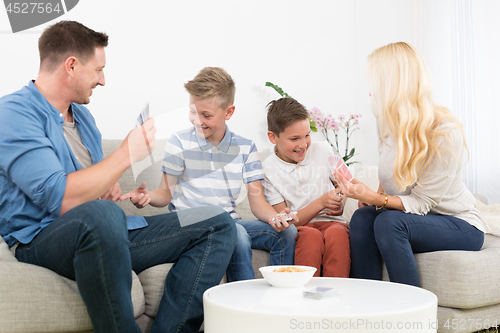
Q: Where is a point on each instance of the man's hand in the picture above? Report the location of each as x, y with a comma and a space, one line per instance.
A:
90, 183
139, 197
140, 142
279, 223
113, 194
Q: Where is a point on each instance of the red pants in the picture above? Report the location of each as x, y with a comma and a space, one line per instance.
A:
324, 244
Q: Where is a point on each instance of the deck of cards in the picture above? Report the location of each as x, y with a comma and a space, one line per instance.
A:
337, 163
143, 116
287, 218
320, 292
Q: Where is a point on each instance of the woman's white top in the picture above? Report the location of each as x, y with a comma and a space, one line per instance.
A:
440, 188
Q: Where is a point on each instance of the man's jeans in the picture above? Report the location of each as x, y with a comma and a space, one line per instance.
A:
91, 244
255, 234
394, 236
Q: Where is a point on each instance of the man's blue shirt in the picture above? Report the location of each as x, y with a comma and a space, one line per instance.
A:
35, 160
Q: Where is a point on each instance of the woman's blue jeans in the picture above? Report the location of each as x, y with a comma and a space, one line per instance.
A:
255, 234
393, 236
91, 244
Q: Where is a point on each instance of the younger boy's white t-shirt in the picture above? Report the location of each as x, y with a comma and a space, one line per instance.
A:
300, 184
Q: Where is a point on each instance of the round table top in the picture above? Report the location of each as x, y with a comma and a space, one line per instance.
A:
352, 296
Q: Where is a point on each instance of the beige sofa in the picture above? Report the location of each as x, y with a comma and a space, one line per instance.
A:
34, 299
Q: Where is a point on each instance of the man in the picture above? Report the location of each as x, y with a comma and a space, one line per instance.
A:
51, 173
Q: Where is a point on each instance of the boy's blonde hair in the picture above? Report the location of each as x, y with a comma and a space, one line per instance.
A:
401, 85
284, 112
213, 84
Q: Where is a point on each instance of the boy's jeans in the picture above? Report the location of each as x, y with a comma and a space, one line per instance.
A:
91, 244
255, 234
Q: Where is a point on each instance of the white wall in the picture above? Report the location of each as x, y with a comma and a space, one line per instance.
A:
316, 50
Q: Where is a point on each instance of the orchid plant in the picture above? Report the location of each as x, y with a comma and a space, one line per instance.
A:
326, 123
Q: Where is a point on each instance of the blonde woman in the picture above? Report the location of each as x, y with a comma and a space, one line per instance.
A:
422, 204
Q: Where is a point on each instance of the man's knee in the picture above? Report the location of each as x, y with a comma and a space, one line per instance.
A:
214, 216
101, 217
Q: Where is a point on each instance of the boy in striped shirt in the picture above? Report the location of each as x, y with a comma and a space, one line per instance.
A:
205, 165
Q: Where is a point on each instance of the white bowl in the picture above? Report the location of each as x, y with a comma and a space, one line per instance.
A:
287, 279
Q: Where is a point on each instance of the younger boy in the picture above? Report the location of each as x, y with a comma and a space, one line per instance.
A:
205, 164
298, 176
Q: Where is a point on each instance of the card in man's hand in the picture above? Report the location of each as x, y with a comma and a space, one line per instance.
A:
141, 120
337, 163
143, 116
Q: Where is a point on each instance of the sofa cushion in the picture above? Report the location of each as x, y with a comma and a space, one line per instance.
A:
40, 300
260, 258
5, 254
452, 320
153, 282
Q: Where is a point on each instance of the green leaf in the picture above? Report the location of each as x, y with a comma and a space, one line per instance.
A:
349, 156
278, 89
312, 125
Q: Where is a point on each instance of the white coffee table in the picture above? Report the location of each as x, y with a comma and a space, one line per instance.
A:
254, 306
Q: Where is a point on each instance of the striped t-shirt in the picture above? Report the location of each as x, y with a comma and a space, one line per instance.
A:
209, 175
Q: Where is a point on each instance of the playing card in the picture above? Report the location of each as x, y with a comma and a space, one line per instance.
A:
337, 163
143, 116
332, 160
345, 171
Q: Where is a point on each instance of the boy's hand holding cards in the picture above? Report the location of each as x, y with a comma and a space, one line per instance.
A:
143, 116
337, 163
287, 216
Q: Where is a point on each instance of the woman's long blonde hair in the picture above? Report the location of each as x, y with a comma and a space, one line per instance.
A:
401, 86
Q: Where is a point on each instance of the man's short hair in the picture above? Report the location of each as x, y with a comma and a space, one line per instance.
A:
68, 38
283, 112
213, 84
